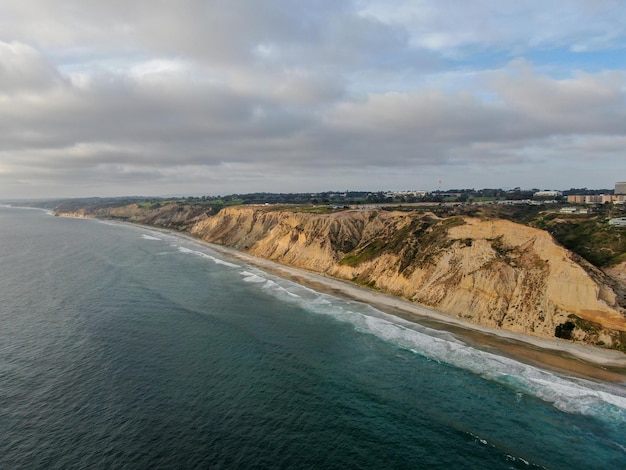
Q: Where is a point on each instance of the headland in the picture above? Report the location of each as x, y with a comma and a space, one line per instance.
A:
498, 283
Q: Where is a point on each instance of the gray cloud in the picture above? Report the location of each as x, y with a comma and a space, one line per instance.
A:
23, 69
198, 96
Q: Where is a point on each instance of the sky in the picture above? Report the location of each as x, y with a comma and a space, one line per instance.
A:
208, 97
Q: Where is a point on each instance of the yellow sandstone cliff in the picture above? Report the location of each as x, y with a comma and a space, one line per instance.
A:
490, 272
495, 272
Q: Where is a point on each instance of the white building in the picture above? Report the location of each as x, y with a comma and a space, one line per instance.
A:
548, 194
406, 193
620, 188
574, 210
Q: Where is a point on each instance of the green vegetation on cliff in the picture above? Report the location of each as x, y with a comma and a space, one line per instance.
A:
588, 236
440, 259
417, 242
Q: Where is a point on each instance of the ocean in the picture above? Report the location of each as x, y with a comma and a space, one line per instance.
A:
125, 347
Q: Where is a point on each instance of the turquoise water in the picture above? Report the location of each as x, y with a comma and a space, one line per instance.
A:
121, 347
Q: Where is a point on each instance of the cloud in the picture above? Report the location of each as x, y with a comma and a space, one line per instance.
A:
219, 32
454, 28
114, 128
583, 104
23, 68
286, 95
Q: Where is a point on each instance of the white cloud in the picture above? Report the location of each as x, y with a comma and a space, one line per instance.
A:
585, 103
287, 95
456, 28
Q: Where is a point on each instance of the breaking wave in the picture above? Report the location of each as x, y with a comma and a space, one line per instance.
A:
568, 394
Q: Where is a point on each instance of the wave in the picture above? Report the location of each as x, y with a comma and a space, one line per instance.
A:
149, 237
273, 286
174, 243
250, 277
568, 394
216, 260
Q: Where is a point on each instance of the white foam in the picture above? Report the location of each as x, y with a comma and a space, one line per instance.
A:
568, 394
149, 237
269, 284
223, 263
565, 393
216, 260
253, 278
278, 289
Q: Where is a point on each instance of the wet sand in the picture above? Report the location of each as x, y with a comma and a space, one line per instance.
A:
573, 359
584, 361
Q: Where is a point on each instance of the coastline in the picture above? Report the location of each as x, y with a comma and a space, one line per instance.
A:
576, 359
583, 361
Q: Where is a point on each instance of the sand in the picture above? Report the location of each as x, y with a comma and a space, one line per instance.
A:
554, 354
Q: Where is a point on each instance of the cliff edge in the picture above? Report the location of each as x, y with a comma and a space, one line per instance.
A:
495, 273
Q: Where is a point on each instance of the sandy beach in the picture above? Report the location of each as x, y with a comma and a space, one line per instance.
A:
554, 354
578, 360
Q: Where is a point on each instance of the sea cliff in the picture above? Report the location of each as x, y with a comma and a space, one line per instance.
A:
495, 273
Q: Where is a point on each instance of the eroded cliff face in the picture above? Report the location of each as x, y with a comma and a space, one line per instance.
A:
490, 272
495, 273
170, 215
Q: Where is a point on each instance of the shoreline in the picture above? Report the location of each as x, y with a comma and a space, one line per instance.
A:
583, 361
579, 360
